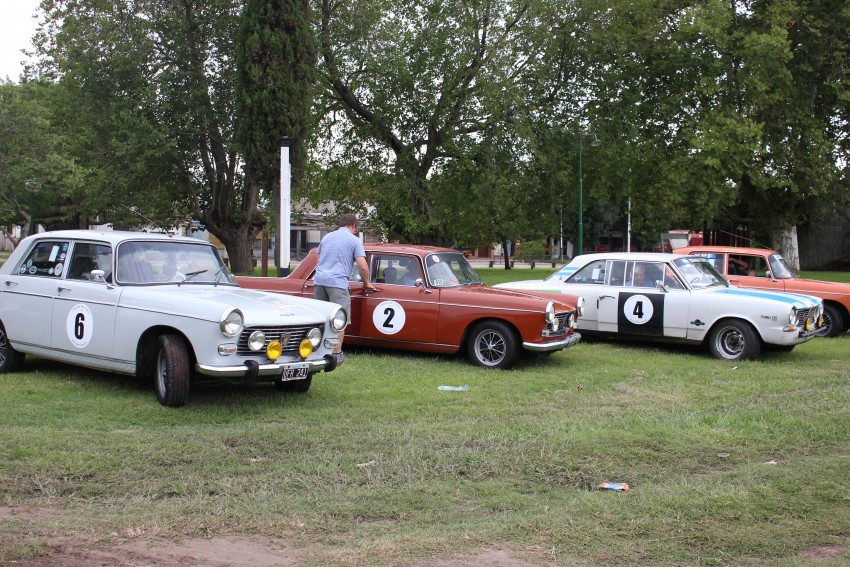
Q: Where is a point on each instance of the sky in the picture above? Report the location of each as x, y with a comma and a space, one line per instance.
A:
17, 27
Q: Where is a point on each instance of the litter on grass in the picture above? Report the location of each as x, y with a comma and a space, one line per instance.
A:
619, 486
463, 388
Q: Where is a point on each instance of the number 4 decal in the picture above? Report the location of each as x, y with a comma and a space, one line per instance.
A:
389, 317
638, 309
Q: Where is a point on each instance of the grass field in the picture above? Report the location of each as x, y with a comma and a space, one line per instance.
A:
743, 464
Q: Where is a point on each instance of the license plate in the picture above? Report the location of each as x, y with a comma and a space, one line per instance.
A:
294, 373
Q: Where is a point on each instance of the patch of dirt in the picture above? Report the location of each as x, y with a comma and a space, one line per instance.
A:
190, 552
826, 553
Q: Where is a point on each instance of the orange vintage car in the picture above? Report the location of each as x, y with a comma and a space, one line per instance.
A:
430, 299
761, 268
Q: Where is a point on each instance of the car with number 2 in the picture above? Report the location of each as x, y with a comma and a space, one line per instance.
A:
430, 299
158, 306
680, 298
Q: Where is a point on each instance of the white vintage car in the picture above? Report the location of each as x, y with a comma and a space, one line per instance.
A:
158, 306
680, 298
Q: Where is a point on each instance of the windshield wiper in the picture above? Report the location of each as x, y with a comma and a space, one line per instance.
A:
191, 275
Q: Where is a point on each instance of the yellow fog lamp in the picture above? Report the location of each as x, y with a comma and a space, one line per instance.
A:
274, 350
305, 348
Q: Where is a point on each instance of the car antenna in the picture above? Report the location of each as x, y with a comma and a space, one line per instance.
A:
149, 221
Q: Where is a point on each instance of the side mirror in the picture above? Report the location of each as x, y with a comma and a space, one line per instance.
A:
98, 275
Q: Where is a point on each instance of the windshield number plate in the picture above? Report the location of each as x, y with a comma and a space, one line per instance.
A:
294, 372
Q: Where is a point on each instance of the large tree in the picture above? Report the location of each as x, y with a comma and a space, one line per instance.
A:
168, 66
276, 59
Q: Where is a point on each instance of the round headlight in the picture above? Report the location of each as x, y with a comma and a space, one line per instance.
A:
580, 307
305, 348
315, 336
339, 319
792, 317
257, 341
550, 312
231, 322
571, 322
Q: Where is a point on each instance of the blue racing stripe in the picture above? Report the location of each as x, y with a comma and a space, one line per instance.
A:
777, 296
567, 271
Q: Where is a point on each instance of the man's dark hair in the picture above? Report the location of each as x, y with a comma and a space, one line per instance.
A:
348, 219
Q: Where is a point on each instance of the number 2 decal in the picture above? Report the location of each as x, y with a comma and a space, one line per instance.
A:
389, 317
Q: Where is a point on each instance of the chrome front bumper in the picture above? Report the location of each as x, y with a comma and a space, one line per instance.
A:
252, 370
566, 342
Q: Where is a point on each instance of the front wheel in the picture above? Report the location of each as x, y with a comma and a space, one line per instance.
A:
493, 344
10, 359
734, 340
832, 320
172, 371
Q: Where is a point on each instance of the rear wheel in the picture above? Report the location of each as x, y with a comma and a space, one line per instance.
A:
734, 340
173, 376
832, 320
10, 359
294, 386
493, 344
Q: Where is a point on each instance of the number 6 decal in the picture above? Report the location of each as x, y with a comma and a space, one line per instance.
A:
389, 317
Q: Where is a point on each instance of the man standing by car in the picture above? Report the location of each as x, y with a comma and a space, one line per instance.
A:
337, 252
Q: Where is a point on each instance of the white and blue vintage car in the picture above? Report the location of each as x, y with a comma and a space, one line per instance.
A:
157, 306
680, 298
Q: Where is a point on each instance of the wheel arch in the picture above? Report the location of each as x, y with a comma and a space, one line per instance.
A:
467, 331
147, 347
729, 317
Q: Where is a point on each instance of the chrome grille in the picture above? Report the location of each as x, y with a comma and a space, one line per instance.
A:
563, 326
292, 335
803, 315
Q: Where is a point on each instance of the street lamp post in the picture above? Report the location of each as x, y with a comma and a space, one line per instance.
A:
595, 142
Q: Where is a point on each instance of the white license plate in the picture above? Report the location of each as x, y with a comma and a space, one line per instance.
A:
294, 373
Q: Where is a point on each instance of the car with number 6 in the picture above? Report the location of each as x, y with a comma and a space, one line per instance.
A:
676, 297
761, 268
159, 306
430, 299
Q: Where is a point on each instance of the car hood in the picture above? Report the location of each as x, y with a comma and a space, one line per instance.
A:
817, 286
550, 286
501, 297
797, 300
258, 308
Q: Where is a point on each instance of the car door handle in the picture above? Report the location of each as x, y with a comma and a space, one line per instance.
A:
60, 289
10, 282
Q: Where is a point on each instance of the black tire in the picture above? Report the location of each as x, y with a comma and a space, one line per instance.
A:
10, 359
833, 319
493, 344
171, 372
731, 339
294, 386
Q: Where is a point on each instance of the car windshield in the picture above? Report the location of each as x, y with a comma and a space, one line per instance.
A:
699, 272
162, 262
450, 269
780, 269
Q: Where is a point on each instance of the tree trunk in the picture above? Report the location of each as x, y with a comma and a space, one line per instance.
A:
785, 242
239, 246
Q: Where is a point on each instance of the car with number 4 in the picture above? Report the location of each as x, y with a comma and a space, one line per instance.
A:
158, 306
676, 297
761, 268
430, 299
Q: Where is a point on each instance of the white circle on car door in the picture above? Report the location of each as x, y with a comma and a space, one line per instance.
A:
389, 317
80, 325
638, 309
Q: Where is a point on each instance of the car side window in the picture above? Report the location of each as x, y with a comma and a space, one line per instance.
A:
593, 273
47, 258
88, 257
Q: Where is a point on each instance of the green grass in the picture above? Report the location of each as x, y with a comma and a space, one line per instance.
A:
728, 463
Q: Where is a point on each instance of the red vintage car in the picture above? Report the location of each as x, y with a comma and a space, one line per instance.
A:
430, 299
761, 268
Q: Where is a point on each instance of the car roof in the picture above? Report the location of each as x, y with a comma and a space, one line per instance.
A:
634, 256
114, 236
727, 249
405, 248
